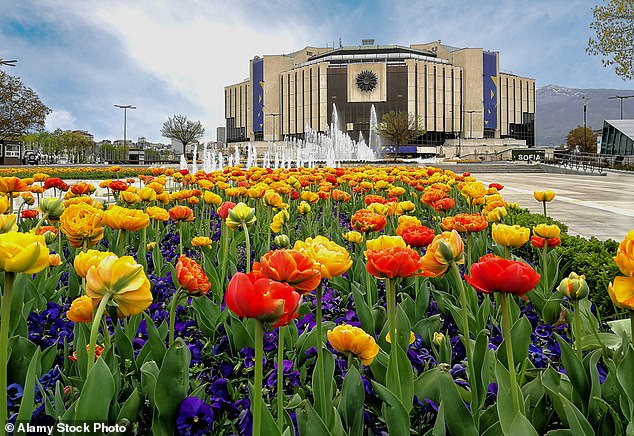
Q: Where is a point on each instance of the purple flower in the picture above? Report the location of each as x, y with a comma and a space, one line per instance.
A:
195, 417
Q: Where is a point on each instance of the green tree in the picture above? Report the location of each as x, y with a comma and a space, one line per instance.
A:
400, 128
21, 110
576, 140
181, 129
614, 27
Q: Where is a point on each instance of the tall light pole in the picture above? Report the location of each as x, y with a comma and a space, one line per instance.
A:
274, 122
621, 98
125, 119
585, 112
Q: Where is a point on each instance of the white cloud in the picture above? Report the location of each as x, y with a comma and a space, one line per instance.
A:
60, 119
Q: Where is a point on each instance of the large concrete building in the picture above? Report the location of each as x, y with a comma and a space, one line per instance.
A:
460, 94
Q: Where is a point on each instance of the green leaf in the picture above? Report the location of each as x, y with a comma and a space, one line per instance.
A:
310, 423
27, 405
520, 338
393, 411
457, 417
149, 376
363, 311
96, 395
575, 370
130, 408
576, 420
352, 396
21, 352
323, 388
426, 328
625, 376
156, 344
400, 377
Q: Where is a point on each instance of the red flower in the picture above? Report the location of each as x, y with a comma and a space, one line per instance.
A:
392, 262
537, 241
254, 296
444, 204
191, 276
496, 186
369, 199
418, 236
495, 274
289, 266
118, 185
181, 213
184, 172
53, 182
294, 194
29, 213
223, 210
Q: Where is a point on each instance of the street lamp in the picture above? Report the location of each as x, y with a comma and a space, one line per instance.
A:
621, 98
274, 122
585, 112
125, 112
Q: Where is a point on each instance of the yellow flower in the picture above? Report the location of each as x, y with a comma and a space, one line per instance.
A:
117, 218
622, 292
5, 204
381, 209
23, 252
332, 258
310, 197
157, 213
544, 195
303, 208
81, 223
349, 339
85, 259
80, 309
147, 194
7, 223
241, 213
212, 198
439, 337
279, 219
496, 215
412, 338
385, 241
574, 287
129, 197
510, 236
473, 191
201, 241
446, 247
124, 281
404, 207
354, 237
272, 199
282, 241
54, 259
625, 255
547, 231
150, 246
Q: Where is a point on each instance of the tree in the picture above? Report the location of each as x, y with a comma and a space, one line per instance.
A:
577, 141
21, 110
614, 27
181, 129
400, 127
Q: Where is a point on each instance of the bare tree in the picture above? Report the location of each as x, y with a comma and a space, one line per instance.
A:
400, 127
181, 129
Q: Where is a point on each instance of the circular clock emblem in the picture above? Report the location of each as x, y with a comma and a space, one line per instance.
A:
366, 80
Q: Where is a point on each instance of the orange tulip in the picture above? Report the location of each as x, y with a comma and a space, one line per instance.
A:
392, 262
289, 266
181, 213
444, 249
191, 276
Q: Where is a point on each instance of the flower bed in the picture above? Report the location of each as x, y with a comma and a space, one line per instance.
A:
394, 300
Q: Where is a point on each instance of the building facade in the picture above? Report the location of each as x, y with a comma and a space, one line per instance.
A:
457, 93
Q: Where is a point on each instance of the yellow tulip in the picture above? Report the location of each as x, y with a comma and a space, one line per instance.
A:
412, 338
353, 236
241, 213
212, 198
303, 208
544, 195
332, 258
147, 194
117, 218
621, 292
625, 255
8, 224
547, 231
52, 207
349, 339
23, 252
80, 309
309, 196
5, 204
574, 287
124, 281
385, 241
82, 223
446, 247
201, 241
404, 207
381, 209
510, 236
272, 199
496, 215
157, 213
85, 259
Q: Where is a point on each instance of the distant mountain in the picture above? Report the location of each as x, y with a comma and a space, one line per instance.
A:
560, 109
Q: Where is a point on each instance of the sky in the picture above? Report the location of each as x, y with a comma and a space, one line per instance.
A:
170, 57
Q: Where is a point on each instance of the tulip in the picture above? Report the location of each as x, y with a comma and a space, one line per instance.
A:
444, 249
8, 223
212, 198
496, 274
418, 236
496, 215
240, 215
273, 199
366, 221
54, 259
86, 259
81, 223
52, 208
289, 266
80, 309
354, 342
625, 255
385, 241
353, 236
393, 262
157, 213
282, 241
544, 197
333, 260
575, 288
147, 194
510, 236
23, 252
412, 338
5, 204
547, 231
181, 213
121, 218
303, 208
621, 292
201, 241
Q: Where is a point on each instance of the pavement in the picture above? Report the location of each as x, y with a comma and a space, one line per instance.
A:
599, 206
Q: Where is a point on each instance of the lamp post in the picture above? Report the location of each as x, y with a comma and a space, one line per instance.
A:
125, 120
585, 112
274, 115
621, 98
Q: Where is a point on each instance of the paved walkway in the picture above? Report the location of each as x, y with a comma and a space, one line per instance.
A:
599, 206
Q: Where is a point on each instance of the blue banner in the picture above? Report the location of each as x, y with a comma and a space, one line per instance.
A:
490, 87
258, 94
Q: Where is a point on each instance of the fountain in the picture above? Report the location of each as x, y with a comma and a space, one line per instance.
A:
195, 159
183, 162
374, 139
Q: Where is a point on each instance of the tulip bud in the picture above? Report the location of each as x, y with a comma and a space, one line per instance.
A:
7, 223
282, 241
303, 208
438, 338
544, 196
241, 213
54, 259
574, 287
52, 207
354, 237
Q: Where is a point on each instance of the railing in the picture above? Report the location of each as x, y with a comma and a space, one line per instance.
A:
589, 162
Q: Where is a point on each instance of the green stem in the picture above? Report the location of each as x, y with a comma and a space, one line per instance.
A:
280, 377
256, 404
320, 353
368, 290
120, 242
224, 242
545, 264
9, 278
96, 320
576, 321
40, 222
632, 325
247, 243
173, 306
180, 237
544, 204
464, 307
506, 334
468, 251
390, 292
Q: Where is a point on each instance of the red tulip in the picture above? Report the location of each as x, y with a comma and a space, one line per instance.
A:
191, 276
289, 266
254, 296
29, 213
392, 262
223, 210
418, 236
539, 242
495, 274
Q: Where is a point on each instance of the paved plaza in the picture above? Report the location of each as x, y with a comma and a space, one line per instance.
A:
599, 206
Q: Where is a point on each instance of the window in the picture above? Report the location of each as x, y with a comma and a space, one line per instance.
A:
12, 150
